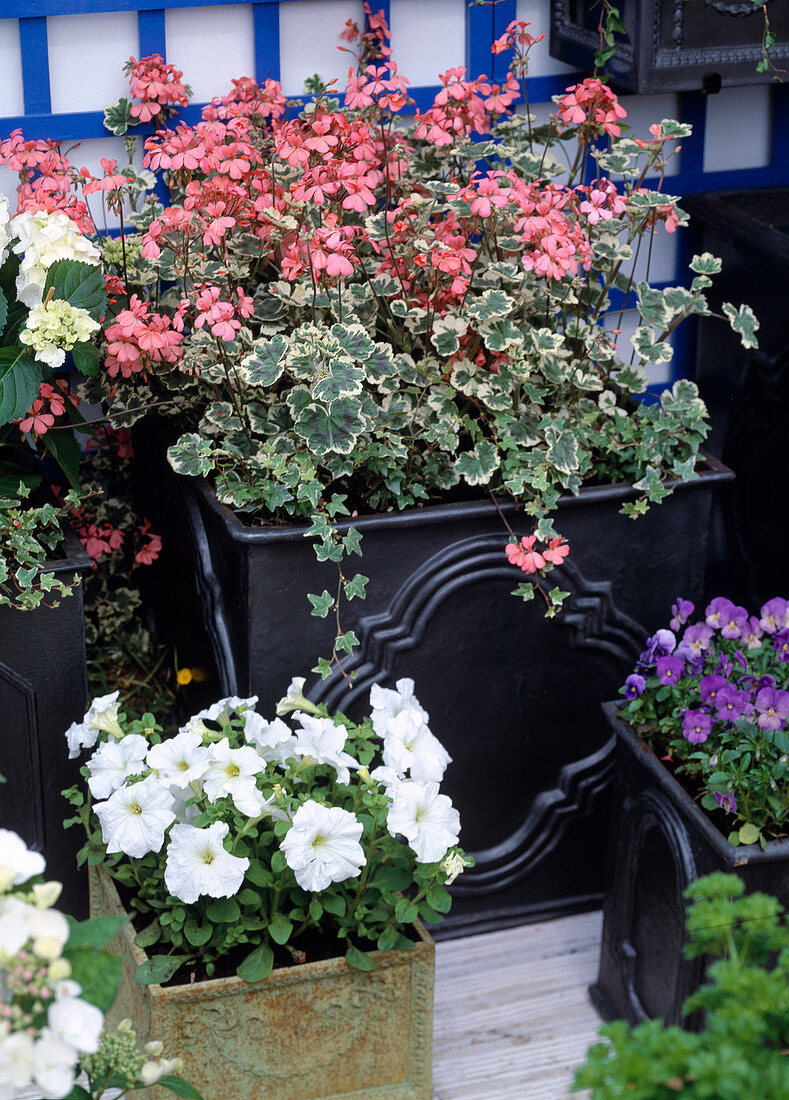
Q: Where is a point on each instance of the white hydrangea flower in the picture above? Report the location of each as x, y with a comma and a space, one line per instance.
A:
324, 742
42, 240
427, 819
134, 819
273, 740
76, 1023
180, 760
232, 774
13, 926
5, 228
17, 859
410, 746
198, 864
387, 703
17, 1062
114, 762
55, 1065
54, 327
322, 846
48, 931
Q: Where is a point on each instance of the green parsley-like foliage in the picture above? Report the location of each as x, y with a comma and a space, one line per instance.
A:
741, 1052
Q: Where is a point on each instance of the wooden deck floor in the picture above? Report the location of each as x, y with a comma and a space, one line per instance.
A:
512, 1014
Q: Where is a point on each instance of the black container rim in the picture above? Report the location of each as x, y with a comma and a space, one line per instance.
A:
74, 559
713, 473
722, 211
736, 857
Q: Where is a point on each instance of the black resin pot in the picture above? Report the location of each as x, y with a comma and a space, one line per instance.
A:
674, 45
661, 841
43, 689
513, 696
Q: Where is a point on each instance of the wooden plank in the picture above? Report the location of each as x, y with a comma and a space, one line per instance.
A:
512, 1016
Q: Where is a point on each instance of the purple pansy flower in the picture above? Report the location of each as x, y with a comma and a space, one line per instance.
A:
753, 634
696, 726
661, 644
736, 622
669, 669
726, 802
730, 703
741, 659
634, 686
681, 611
695, 641
781, 644
772, 705
773, 615
724, 665
709, 686
718, 612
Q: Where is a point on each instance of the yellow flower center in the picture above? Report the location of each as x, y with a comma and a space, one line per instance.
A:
136, 808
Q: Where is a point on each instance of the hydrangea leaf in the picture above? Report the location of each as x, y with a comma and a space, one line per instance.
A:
20, 377
343, 380
80, 284
65, 450
3, 310
86, 359
335, 428
744, 322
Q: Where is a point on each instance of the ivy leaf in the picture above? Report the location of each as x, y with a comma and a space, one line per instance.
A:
257, 965
343, 380
335, 428
80, 284
159, 969
744, 322
191, 455
20, 377
477, 466
355, 587
358, 960
347, 642
321, 605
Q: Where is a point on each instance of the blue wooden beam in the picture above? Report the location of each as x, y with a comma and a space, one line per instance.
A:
265, 19
151, 31
35, 65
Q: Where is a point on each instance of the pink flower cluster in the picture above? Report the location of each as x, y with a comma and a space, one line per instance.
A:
139, 339
593, 107
464, 107
50, 403
530, 560
46, 179
150, 549
218, 314
158, 87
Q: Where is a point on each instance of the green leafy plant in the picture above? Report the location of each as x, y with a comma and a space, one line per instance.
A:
742, 1049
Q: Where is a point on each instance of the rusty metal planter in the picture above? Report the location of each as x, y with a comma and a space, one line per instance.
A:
320, 1030
661, 842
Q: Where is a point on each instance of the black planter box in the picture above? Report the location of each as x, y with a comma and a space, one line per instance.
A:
43, 689
674, 45
746, 391
661, 841
513, 696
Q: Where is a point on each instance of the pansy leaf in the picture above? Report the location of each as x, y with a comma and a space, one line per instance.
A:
343, 380
749, 833
80, 284
335, 428
20, 377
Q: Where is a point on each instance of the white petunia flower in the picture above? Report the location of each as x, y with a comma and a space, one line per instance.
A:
54, 1070
452, 865
322, 846
410, 746
114, 762
198, 864
387, 704
295, 699
218, 712
180, 760
103, 715
76, 1023
388, 776
273, 740
185, 814
232, 773
79, 736
134, 819
17, 859
324, 742
427, 820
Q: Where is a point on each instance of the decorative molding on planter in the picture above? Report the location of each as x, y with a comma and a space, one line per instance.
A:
673, 45
28, 791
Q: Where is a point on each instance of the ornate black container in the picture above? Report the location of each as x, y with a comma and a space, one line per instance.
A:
43, 689
674, 45
661, 841
747, 391
515, 698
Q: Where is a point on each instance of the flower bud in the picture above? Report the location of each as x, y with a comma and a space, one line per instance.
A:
59, 970
45, 894
154, 1048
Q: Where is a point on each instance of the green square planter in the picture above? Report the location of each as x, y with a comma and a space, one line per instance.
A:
320, 1030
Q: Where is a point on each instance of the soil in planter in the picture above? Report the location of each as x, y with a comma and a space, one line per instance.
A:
311, 947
